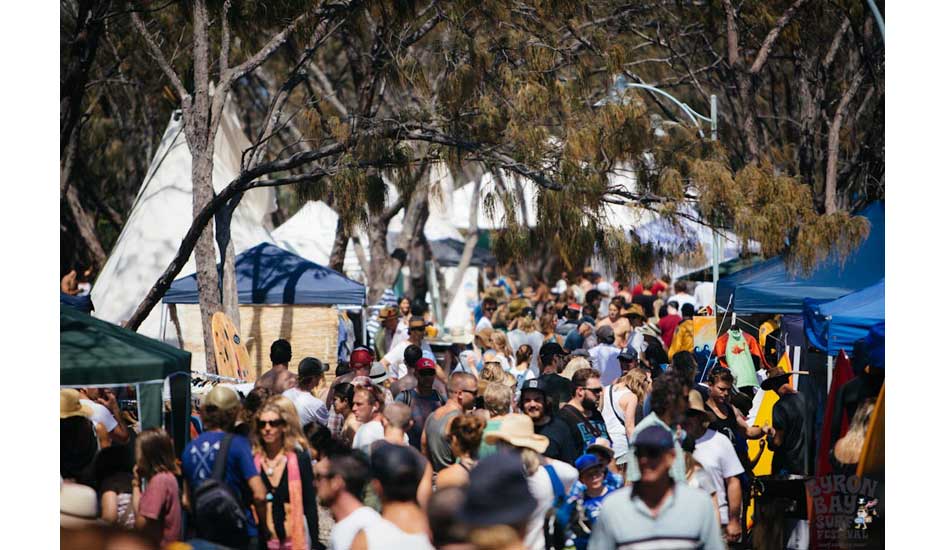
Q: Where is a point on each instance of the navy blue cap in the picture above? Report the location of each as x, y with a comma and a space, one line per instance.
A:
586, 461
533, 384
656, 437
498, 492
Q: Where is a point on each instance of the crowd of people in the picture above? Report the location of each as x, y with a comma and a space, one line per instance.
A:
571, 421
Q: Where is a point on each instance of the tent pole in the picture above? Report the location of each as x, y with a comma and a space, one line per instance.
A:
831, 368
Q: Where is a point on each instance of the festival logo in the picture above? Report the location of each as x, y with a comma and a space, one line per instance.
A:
846, 512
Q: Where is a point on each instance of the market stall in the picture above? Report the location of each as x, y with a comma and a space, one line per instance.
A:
96, 353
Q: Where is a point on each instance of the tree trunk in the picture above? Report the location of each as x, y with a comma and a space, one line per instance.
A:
229, 297
209, 296
338, 253
418, 247
86, 226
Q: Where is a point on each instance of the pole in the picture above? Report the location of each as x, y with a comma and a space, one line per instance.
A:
877, 18
714, 125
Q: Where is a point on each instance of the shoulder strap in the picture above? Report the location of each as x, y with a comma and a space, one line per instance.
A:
221, 461
610, 396
408, 397
556, 484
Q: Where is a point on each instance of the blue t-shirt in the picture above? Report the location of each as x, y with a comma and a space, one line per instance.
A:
573, 341
591, 509
197, 464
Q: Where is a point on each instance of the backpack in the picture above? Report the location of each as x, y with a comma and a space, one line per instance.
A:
218, 513
555, 532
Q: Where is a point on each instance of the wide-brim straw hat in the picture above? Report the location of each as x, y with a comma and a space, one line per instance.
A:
70, 405
78, 506
518, 430
697, 408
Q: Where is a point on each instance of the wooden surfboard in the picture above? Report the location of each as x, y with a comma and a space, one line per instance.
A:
872, 454
232, 357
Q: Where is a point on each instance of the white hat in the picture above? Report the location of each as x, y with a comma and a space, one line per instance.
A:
605, 288
78, 506
378, 374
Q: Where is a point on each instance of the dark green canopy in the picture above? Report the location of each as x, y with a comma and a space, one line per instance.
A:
93, 352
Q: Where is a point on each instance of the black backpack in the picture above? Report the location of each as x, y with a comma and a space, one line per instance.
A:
218, 513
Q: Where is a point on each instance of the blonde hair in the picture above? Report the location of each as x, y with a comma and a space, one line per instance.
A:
575, 365
848, 449
636, 381
548, 323
293, 433
492, 373
497, 398
510, 381
499, 341
527, 324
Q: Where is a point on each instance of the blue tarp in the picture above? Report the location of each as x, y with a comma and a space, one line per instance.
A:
770, 288
267, 274
835, 325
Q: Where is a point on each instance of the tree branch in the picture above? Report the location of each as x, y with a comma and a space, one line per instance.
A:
763, 56
225, 38
159, 58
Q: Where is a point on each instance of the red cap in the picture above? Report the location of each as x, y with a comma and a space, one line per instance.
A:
361, 357
575, 307
425, 364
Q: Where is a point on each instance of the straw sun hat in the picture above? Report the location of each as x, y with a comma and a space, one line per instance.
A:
518, 430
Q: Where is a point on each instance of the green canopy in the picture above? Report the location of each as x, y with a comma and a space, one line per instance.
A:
93, 352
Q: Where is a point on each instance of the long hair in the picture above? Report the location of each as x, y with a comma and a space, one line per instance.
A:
848, 449
636, 381
548, 324
291, 431
154, 453
466, 431
499, 341
492, 373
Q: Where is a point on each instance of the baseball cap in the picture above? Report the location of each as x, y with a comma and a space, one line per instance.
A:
309, 367
222, 397
533, 384
587, 461
581, 352
425, 364
575, 307
626, 357
361, 356
656, 437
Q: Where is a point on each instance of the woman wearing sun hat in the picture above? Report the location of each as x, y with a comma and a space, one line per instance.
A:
546, 477
79, 438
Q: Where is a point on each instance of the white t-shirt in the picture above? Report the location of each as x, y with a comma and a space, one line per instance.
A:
370, 433
484, 322
540, 487
309, 408
603, 357
681, 299
345, 530
397, 363
384, 535
719, 459
101, 415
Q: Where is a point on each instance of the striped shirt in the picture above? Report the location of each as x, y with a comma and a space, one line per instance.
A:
686, 520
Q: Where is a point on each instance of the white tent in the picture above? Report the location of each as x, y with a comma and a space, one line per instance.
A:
310, 234
494, 218
161, 216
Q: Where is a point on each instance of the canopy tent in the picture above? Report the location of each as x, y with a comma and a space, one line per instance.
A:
162, 214
726, 268
771, 288
93, 352
835, 325
267, 274
448, 252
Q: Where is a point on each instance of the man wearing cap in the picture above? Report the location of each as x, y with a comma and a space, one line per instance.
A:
279, 377
793, 435
309, 408
422, 399
715, 453
604, 355
394, 361
552, 359
219, 410
535, 404
571, 320
656, 512
388, 320
361, 361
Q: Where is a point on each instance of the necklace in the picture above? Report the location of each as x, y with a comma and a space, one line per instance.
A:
270, 466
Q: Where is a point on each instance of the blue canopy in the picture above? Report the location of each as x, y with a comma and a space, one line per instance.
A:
835, 325
267, 274
770, 288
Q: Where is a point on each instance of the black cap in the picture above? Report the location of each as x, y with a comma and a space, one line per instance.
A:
498, 492
626, 357
533, 384
310, 366
551, 348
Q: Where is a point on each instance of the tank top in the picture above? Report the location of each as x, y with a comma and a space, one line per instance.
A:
729, 427
437, 444
614, 419
384, 535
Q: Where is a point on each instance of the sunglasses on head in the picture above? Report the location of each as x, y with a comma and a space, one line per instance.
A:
279, 423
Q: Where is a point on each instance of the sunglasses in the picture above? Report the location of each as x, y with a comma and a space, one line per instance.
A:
597, 391
473, 392
279, 423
